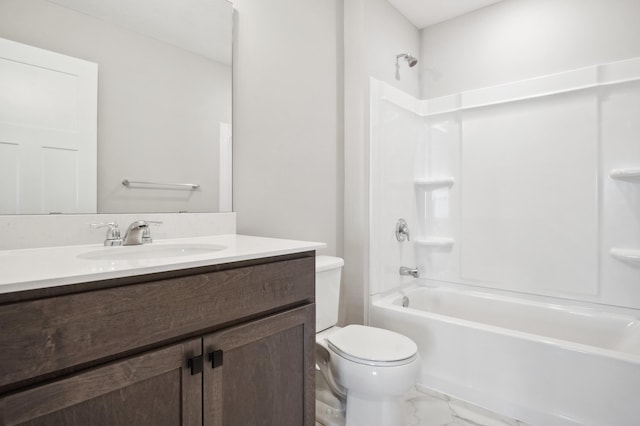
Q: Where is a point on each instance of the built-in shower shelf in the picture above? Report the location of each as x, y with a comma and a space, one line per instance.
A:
435, 242
435, 183
626, 255
625, 174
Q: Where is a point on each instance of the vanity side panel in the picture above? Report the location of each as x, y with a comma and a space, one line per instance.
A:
74, 331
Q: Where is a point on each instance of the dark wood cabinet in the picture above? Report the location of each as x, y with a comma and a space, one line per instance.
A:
262, 373
156, 388
224, 345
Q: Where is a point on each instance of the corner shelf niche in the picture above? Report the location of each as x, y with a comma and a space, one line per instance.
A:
626, 255
625, 174
435, 242
430, 184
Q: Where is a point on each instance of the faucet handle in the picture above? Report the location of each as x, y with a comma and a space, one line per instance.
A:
146, 234
402, 230
113, 233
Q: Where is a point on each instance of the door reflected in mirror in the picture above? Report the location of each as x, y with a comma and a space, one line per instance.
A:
159, 115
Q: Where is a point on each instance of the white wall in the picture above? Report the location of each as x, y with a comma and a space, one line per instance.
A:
519, 39
374, 34
159, 106
288, 120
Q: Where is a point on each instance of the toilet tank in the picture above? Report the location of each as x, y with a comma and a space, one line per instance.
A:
328, 272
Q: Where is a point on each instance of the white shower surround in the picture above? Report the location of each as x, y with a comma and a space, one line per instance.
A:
510, 187
528, 190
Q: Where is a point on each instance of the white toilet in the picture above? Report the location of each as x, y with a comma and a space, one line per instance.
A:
375, 368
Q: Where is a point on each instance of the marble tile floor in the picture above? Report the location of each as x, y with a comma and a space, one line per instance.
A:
428, 408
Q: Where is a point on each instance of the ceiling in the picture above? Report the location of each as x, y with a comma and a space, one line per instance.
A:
199, 26
204, 26
423, 13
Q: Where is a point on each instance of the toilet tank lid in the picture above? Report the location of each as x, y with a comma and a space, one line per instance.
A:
325, 263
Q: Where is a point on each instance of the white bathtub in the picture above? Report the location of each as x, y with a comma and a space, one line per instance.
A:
540, 363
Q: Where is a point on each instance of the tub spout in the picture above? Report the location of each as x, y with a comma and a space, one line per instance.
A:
415, 273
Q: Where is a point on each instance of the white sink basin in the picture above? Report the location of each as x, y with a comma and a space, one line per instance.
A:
150, 251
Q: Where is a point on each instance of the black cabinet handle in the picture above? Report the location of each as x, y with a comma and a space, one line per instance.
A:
216, 358
195, 364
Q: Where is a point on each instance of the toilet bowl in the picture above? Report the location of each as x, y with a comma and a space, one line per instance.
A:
371, 369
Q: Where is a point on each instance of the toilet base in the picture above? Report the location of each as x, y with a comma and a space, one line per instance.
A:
379, 412
326, 415
329, 409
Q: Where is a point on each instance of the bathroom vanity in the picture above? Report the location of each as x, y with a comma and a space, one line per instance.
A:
215, 339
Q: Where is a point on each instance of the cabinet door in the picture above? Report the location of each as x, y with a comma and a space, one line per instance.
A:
155, 388
263, 373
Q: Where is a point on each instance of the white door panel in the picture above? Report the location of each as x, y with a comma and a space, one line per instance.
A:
48, 114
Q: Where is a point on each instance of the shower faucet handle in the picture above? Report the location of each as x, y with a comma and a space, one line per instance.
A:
402, 231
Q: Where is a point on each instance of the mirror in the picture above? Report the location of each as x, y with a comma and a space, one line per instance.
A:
148, 82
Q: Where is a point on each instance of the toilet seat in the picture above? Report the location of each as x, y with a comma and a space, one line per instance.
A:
372, 346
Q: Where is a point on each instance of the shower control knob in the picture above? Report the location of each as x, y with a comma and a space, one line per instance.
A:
402, 230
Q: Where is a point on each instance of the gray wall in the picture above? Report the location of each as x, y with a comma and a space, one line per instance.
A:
287, 116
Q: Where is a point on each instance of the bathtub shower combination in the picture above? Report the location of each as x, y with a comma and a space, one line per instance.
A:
523, 202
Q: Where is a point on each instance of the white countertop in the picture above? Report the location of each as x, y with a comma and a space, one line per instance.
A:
28, 269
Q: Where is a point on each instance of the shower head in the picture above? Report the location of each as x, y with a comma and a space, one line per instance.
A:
412, 61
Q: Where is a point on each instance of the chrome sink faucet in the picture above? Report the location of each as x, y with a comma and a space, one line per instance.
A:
138, 232
134, 234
